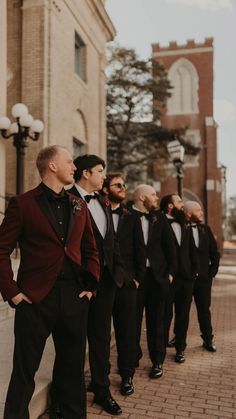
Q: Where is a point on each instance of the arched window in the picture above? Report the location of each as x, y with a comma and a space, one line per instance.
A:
80, 135
184, 79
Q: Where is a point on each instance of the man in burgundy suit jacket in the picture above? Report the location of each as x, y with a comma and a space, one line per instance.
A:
58, 272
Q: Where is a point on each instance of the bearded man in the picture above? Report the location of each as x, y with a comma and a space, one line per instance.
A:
130, 237
181, 290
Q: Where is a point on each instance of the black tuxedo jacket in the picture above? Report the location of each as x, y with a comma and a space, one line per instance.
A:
108, 247
132, 248
208, 255
187, 258
161, 251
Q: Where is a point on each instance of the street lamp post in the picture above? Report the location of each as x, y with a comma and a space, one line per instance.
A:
25, 127
176, 152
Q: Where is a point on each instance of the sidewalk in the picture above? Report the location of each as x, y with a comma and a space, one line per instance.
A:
204, 387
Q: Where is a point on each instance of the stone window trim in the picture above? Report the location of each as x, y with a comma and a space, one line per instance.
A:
79, 148
80, 57
184, 78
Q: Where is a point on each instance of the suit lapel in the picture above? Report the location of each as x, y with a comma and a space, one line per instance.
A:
200, 233
106, 210
45, 207
120, 222
71, 218
150, 229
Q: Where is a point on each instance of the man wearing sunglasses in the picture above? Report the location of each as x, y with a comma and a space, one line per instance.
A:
129, 234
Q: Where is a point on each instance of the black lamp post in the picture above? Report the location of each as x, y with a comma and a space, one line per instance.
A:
176, 152
25, 127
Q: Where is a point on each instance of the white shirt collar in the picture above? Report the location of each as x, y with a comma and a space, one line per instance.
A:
82, 191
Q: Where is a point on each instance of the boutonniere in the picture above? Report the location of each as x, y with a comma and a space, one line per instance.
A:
153, 217
106, 201
125, 211
77, 204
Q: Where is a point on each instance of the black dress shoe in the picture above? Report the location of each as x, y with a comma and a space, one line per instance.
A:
108, 404
55, 412
156, 371
171, 343
127, 386
209, 346
179, 357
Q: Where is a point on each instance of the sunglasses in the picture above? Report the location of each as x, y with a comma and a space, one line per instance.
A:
119, 185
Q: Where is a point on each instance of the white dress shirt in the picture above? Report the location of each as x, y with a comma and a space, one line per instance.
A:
176, 227
145, 228
115, 218
195, 235
96, 211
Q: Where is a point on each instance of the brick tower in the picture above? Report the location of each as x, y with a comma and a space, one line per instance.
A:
190, 70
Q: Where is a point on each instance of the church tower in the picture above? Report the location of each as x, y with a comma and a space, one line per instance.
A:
190, 71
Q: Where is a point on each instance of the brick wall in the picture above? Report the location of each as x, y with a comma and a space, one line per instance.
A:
205, 166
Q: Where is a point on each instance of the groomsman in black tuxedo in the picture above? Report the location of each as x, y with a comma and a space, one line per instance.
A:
181, 289
160, 266
209, 258
130, 237
89, 178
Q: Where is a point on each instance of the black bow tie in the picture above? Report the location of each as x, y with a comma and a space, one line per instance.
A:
117, 211
194, 225
147, 215
171, 220
89, 197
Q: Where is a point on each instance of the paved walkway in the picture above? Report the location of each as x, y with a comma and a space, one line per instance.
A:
204, 387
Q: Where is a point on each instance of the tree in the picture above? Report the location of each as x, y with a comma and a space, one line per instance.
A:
135, 137
232, 216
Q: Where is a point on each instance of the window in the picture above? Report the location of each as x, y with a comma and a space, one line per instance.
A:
80, 57
184, 79
78, 148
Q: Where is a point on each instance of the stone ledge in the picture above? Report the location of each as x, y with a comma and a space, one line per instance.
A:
39, 401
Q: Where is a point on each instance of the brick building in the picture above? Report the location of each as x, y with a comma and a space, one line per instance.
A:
56, 61
190, 70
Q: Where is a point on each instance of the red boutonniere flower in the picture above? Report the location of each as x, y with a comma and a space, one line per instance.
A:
106, 201
125, 211
153, 217
77, 204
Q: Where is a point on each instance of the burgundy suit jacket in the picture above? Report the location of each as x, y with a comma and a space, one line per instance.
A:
30, 222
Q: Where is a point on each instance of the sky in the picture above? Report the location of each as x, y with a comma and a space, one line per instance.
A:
139, 23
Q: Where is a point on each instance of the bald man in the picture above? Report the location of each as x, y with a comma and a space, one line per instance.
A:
209, 257
160, 265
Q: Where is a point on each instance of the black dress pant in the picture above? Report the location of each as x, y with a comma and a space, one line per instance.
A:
99, 334
124, 320
180, 294
202, 298
63, 314
151, 296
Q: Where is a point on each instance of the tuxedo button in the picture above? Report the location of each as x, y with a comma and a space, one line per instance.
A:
60, 222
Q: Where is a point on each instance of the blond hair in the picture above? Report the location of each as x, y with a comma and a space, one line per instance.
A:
44, 157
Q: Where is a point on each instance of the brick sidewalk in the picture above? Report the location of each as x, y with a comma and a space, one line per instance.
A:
204, 387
